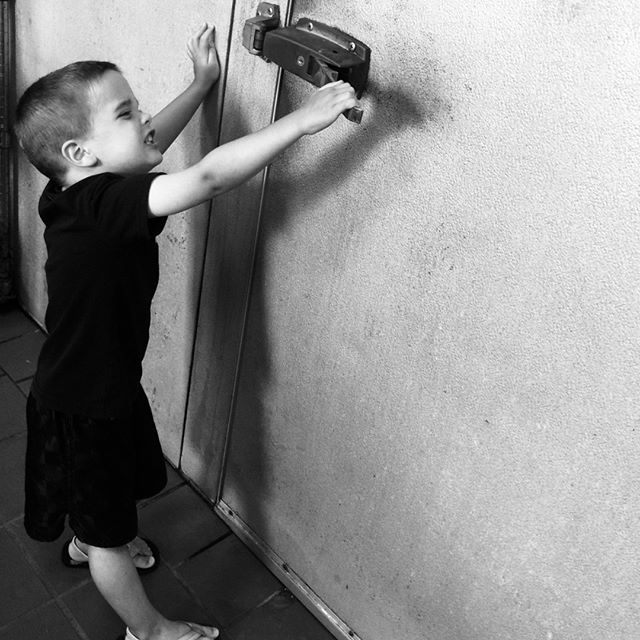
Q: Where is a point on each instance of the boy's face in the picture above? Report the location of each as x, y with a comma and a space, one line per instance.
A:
121, 136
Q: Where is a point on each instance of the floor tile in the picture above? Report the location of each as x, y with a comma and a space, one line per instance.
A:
12, 420
25, 386
46, 555
181, 524
20, 589
170, 597
12, 451
165, 592
174, 480
44, 623
281, 617
97, 619
19, 357
229, 580
14, 323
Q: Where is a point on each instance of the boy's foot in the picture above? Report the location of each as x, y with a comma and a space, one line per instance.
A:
195, 632
143, 552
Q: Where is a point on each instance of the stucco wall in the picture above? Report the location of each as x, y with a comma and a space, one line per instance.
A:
436, 423
147, 40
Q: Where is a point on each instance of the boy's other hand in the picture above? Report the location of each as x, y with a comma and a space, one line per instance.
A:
202, 51
324, 106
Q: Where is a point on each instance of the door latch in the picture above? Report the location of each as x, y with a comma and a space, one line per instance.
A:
311, 50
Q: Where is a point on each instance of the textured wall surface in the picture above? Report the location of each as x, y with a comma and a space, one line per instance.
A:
437, 418
147, 40
437, 415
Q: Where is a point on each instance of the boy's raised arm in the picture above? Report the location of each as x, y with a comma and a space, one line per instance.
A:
206, 71
235, 162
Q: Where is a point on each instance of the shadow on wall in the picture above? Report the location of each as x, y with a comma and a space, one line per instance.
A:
388, 112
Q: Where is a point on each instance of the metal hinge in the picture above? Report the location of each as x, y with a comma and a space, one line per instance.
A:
267, 18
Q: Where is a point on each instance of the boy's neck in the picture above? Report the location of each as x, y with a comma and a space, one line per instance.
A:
75, 175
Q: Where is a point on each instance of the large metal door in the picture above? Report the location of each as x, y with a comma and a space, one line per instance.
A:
431, 421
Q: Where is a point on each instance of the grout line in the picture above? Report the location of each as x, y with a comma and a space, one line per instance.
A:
77, 627
163, 494
26, 614
55, 597
207, 546
12, 521
21, 380
248, 612
22, 335
194, 596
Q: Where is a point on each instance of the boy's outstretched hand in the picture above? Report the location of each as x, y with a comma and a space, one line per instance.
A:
202, 51
324, 106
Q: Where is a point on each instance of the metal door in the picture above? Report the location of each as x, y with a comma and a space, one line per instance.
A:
423, 363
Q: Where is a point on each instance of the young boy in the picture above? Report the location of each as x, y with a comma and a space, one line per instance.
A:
92, 446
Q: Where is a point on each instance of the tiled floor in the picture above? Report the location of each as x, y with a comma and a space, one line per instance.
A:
206, 573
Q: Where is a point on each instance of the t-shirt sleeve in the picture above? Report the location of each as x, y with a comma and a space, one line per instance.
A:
118, 207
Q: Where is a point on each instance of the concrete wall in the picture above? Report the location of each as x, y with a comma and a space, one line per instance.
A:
436, 413
147, 40
436, 418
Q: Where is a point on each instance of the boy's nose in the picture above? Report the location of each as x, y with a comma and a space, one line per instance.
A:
145, 117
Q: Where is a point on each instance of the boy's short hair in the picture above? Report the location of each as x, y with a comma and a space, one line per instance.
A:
54, 109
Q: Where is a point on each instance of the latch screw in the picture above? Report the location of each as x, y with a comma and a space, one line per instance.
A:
310, 26
352, 46
300, 61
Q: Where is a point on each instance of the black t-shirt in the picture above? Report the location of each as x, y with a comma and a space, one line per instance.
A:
102, 272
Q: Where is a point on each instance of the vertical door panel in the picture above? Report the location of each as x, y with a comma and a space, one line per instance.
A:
434, 419
248, 106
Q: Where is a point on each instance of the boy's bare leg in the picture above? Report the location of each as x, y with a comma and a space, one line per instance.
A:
137, 547
118, 581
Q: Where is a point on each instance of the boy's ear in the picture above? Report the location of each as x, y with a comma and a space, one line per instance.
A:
74, 153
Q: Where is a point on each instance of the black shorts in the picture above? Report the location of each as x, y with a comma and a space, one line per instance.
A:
92, 471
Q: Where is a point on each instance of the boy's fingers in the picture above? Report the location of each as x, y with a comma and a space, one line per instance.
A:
339, 88
206, 36
331, 84
197, 36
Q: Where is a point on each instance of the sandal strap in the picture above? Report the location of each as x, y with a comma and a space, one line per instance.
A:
84, 558
192, 634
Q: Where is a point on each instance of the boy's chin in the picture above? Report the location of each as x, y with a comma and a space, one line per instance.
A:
153, 162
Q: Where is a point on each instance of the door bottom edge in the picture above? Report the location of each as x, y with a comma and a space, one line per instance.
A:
309, 599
